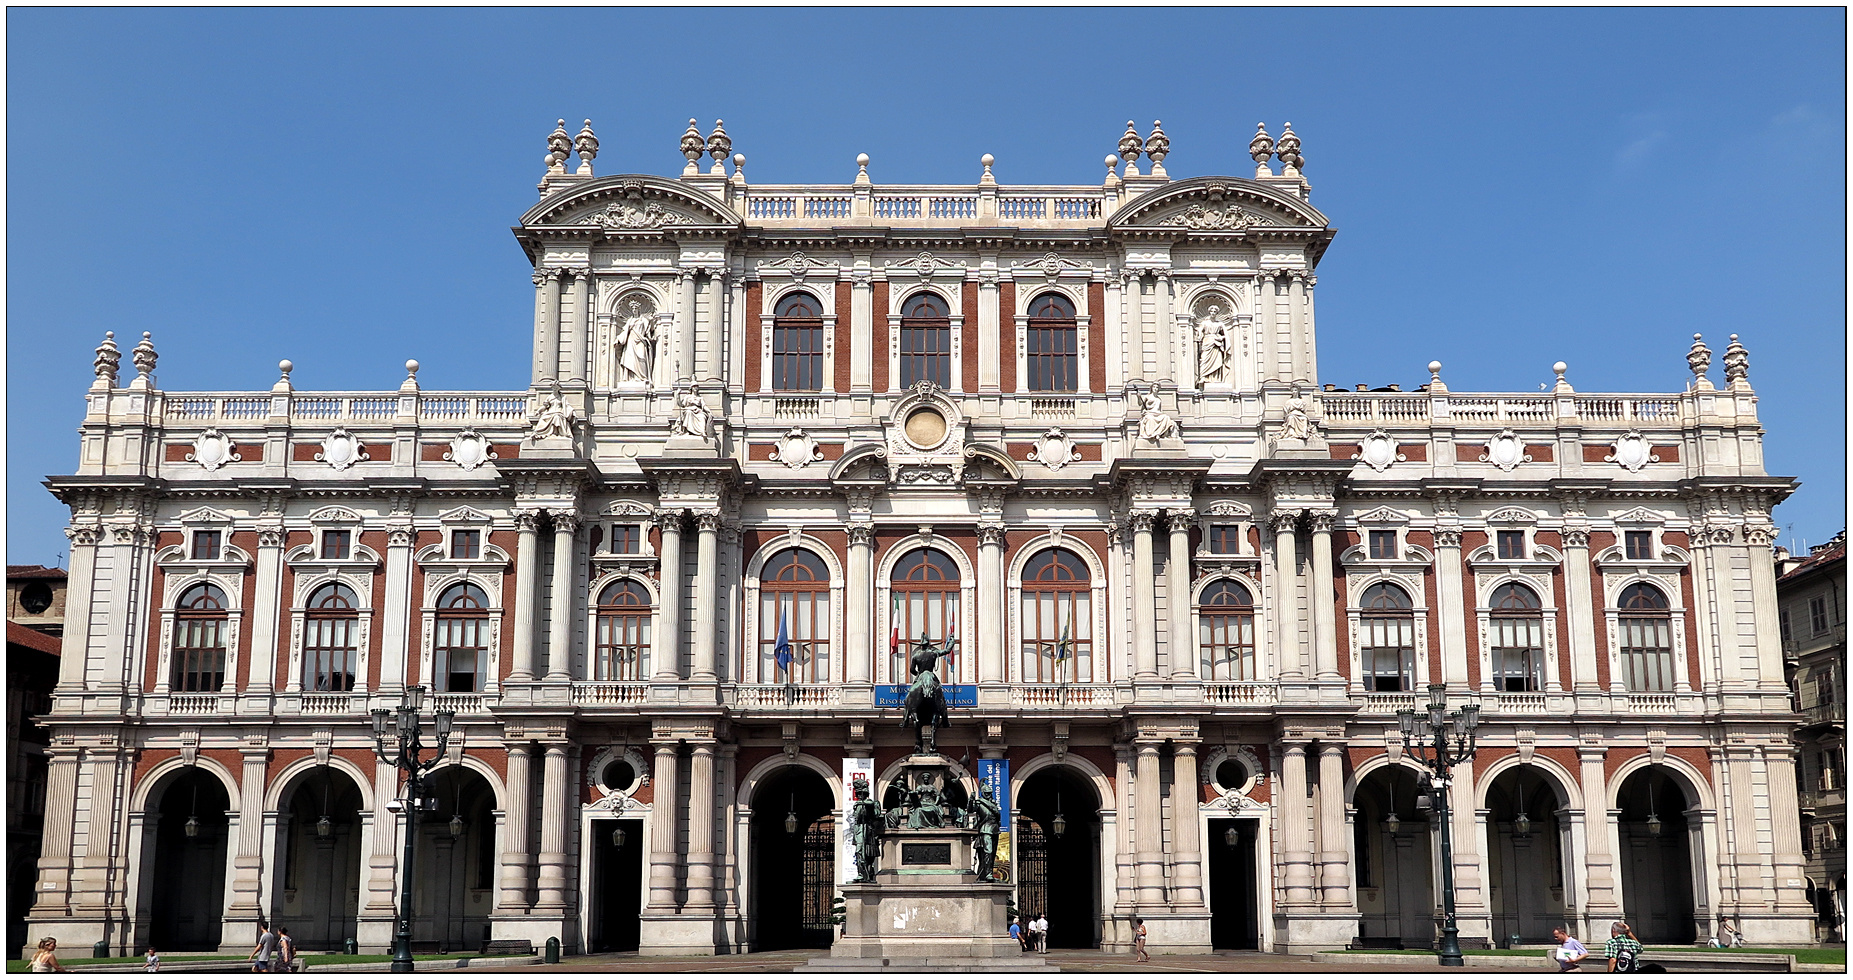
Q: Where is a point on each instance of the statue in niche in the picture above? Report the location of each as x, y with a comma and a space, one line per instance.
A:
692, 417
1298, 425
866, 823
1213, 334
986, 818
635, 341
1154, 424
555, 420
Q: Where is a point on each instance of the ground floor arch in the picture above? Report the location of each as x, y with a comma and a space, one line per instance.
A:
319, 829
1394, 860
1658, 828
187, 836
1527, 829
793, 849
1057, 853
455, 867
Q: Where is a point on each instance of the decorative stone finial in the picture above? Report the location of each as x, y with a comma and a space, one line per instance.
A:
739, 166
1261, 147
284, 367
1558, 369
1130, 148
1435, 384
985, 162
692, 145
719, 145
108, 357
1699, 360
144, 357
1736, 363
1288, 150
1113, 162
1157, 147
558, 146
862, 168
587, 145
411, 377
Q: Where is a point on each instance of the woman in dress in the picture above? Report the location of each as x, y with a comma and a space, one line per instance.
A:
46, 959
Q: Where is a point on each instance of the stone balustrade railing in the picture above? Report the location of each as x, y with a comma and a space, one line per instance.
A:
1343, 409
925, 204
438, 407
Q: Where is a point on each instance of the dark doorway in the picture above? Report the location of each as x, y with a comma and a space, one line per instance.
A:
1058, 860
456, 862
1235, 899
1525, 863
617, 885
318, 845
1394, 844
1656, 857
188, 878
794, 861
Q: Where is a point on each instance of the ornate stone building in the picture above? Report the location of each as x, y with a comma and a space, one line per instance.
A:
1811, 591
774, 433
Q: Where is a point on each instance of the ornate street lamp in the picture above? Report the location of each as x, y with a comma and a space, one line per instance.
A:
1447, 742
404, 728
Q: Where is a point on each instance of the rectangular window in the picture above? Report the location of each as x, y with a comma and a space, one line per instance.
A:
626, 539
1817, 614
1383, 545
1640, 545
1824, 688
926, 354
466, 544
330, 652
1225, 539
1227, 641
206, 545
1054, 358
461, 652
1647, 653
1782, 619
1057, 638
798, 356
335, 544
1389, 653
199, 653
1511, 545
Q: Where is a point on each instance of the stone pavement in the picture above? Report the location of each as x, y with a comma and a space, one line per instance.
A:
1070, 961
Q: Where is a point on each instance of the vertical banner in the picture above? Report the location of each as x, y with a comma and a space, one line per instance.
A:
994, 778
846, 859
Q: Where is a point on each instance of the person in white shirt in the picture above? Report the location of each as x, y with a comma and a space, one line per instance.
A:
1042, 934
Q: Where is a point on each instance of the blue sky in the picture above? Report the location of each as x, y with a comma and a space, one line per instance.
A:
1511, 187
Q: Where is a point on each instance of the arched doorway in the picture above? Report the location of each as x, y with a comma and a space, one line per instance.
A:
187, 880
1656, 855
456, 862
1058, 855
1395, 862
318, 849
794, 854
1526, 860
1231, 851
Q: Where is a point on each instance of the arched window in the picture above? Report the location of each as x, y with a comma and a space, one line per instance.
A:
794, 595
331, 639
1226, 631
1054, 351
1517, 621
199, 639
1646, 639
798, 344
460, 649
1057, 621
925, 602
622, 649
926, 341
1387, 640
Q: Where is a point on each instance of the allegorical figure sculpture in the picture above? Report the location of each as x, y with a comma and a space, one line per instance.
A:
986, 817
1298, 425
865, 827
927, 807
636, 337
692, 418
1154, 424
1212, 346
556, 419
925, 707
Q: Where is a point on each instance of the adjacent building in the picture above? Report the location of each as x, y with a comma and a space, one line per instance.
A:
777, 432
1812, 593
34, 621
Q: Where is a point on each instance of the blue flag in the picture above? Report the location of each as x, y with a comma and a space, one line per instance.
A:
781, 648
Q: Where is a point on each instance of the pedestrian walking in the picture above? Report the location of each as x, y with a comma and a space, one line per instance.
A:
1042, 933
1569, 953
264, 951
151, 961
1138, 941
1016, 933
286, 951
1623, 950
45, 960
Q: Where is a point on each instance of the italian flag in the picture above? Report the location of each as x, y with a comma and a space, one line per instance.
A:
894, 627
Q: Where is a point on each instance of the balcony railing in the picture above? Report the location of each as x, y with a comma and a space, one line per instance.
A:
332, 704
1389, 704
463, 704
1415, 407
610, 692
1061, 696
1652, 704
1240, 692
787, 695
922, 203
1820, 714
361, 407
193, 704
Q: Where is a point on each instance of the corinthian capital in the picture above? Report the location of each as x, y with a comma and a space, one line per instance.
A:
400, 536
1324, 520
1576, 537
527, 520
1181, 518
862, 534
1447, 537
84, 535
990, 534
1284, 521
270, 536
565, 522
708, 520
1141, 521
1759, 535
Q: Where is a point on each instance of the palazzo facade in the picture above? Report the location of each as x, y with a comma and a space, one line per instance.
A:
774, 434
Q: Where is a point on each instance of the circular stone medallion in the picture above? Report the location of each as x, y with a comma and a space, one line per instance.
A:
925, 428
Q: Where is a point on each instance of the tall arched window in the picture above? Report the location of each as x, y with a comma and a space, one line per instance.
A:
1226, 631
622, 649
925, 602
331, 639
1054, 351
1517, 621
460, 649
1646, 639
926, 341
798, 344
199, 640
1057, 621
1387, 640
794, 595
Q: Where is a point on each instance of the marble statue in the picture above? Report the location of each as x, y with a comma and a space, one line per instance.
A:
1213, 329
555, 420
692, 417
1154, 424
636, 336
1298, 425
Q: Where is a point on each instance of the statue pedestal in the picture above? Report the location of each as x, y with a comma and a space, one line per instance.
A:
927, 912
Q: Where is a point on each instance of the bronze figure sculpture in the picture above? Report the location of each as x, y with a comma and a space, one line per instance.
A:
925, 707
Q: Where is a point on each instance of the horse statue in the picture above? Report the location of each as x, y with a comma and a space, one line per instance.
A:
925, 708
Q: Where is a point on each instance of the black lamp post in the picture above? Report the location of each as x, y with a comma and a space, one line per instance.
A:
1447, 742
405, 728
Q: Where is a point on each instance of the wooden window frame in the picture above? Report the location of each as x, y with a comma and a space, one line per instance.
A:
1070, 602
789, 368
810, 623
455, 624
331, 639
1046, 369
627, 659
1226, 643
201, 621
1379, 619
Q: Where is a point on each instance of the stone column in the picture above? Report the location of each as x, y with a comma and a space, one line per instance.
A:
93, 885
1144, 599
1125, 888
553, 815
663, 857
1163, 328
245, 904
560, 614
716, 329
685, 327
1452, 610
527, 584
1114, 297
1740, 803
1309, 353
52, 898
514, 879
77, 602
1334, 854
1758, 536
381, 897
1287, 662
990, 333
862, 332
1177, 593
1295, 848
1581, 611
858, 629
707, 524
577, 341
266, 597
991, 615
1148, 841
700, 829
400, 616
546, 324
1785, 824
1296, 324
668, 643
1324, 600
1598, 828
1269, 359
1186, 832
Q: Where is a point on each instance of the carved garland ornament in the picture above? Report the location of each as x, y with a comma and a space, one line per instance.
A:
624, 215
1200, 218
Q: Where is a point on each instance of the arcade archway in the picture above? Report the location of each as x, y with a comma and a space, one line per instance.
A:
1395, 861
794, 855
319, 853
1526, 861
456, 862
1657, 826
1057, 844
186, 880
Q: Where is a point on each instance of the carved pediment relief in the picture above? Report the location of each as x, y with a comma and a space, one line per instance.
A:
1381, 515
463, 515
628, 202
798, 265
1051, 265
1512, 515
1218, 204
333, 515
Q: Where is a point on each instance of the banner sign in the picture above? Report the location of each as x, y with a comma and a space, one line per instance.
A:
846, 861
994, 777
957, 695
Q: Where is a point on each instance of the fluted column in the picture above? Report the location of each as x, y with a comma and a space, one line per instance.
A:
663, 858
1163, 328
546, 324
1177, 593
560, 613
1125, 884
1296, 323
514, 877
1451, 609
1148, 816
266, 589
700, 828
1144, 600
706, 623
668, 643
990, 332
1324, 598
1186, 832
991, 604
715, 330
552, 880
685, 327
77, 602
52, 898
1286, 598
527, 584
246, 904
1295, 847
1598, 864
1582, 611
1334, 854
858, 628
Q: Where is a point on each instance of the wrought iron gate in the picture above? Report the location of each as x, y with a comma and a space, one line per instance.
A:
1032, 868
820, 852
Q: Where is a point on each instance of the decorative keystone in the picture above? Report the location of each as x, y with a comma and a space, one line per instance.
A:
587, 145
1261, 147
1130, 148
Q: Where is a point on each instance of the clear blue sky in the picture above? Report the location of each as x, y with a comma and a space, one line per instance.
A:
1511, 188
